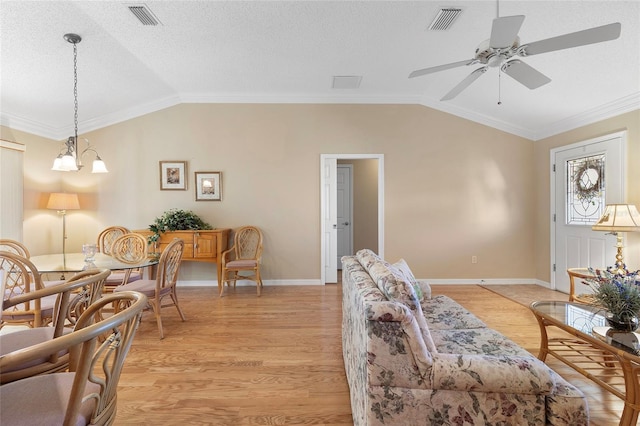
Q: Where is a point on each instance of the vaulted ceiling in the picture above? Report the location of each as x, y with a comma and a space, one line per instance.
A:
290, 51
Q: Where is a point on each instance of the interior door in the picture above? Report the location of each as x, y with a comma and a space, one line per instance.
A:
587, 176
330, 227
344, 218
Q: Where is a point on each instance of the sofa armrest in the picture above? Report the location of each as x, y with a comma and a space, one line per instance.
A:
395, 341
486, 373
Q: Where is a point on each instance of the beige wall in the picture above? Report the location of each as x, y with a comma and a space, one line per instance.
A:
453, 188
629, 122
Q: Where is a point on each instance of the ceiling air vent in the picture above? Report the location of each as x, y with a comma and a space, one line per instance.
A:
144, 14
444, 19
346, 81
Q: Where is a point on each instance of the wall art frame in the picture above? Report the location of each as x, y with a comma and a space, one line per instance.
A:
173, 175
208, 186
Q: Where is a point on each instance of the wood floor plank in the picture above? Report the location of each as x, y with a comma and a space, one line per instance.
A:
277, 359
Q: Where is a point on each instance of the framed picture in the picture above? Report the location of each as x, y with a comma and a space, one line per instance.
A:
208, 186
173, 175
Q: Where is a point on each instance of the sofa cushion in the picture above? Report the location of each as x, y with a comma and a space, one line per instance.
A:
478, 341
444, 313
394, 286
422, 288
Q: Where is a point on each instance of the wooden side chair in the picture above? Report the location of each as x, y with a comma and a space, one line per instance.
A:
242, 261
164, 286
74, 296
22, 277
127, 248
108, 236
87, 392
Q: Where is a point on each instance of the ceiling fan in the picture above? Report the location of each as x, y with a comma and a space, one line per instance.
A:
504, 44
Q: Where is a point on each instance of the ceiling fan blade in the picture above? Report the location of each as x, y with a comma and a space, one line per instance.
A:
579, 38
464, 84
525, 74
505, 30
430, 70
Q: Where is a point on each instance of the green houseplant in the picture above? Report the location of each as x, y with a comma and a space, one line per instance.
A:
619, 295
175, 220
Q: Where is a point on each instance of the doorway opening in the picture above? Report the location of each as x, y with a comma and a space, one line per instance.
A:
366, 221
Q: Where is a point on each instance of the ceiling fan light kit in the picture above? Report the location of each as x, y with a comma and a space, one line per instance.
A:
504, 44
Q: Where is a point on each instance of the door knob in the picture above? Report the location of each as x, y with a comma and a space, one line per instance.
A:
346, 223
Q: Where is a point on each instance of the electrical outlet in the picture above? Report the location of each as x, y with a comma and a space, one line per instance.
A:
474, 259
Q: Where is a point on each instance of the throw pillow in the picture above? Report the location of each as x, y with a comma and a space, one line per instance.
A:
422, 288
396, 287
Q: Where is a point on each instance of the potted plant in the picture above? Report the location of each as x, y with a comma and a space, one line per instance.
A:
619, 296
175, 220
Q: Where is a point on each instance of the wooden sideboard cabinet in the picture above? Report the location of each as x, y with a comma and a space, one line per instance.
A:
199, 246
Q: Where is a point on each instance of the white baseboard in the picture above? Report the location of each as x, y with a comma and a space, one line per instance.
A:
481, 281
478, 281
239, 283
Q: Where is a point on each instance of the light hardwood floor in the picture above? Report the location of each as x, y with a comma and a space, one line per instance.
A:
277, 359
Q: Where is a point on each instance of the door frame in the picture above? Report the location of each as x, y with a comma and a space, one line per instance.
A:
622, 135
323, 202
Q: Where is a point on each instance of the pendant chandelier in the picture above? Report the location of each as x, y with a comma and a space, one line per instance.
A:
71, 160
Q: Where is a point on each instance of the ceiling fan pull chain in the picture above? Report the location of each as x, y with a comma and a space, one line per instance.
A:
499, 87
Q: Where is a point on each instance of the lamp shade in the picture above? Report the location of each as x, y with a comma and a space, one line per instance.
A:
63, 201
619, 218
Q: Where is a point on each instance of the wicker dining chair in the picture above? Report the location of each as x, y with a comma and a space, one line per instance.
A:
128, 248
87, 392
22, 277
164, 286
17, 247
242, 261
14, 246
74, 296
108, 236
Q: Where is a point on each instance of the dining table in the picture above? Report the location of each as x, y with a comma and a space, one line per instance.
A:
75, 262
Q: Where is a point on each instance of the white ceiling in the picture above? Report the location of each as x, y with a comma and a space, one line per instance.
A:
288, 52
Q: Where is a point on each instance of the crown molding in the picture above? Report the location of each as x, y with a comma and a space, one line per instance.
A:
602, 112
61, 133
478, 118
29, 126
617, 107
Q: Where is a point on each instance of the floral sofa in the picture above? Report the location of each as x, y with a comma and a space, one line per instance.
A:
413, 359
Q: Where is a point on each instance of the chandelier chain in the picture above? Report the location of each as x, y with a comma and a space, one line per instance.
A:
75, 89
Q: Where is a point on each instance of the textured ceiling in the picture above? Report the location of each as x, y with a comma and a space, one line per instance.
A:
282, 52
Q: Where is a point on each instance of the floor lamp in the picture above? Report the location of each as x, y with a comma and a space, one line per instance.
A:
63, 201
619, 218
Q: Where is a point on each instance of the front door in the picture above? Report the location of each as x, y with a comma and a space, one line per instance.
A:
587, 176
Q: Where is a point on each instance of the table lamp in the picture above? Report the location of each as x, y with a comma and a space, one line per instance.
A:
619, 218
63, 201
